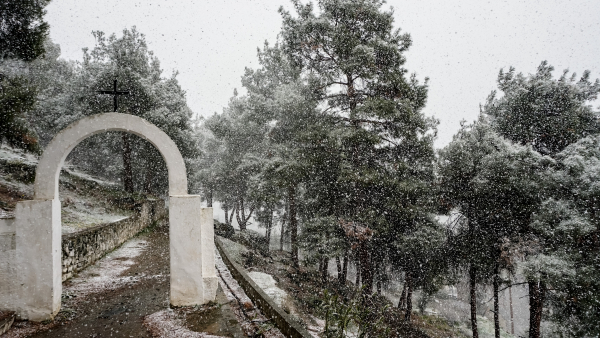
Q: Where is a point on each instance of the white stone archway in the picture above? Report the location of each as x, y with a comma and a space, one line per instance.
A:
38, 223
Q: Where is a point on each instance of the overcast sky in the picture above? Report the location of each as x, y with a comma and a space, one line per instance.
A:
459, 45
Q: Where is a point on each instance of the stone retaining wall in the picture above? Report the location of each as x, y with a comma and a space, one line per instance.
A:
288, 326
81, 249
8, 257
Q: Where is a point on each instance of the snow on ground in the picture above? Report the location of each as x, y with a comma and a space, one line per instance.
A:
73, 171
268, 284
14, 185
235, 250
17, 155
166, 325
79, 210
104, 274
75, 219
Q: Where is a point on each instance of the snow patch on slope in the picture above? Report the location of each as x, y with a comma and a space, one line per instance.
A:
268, 284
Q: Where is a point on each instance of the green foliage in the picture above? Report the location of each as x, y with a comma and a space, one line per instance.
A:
371, 158
322, 237
17, 98
22, 29
496, 186
153, 97
352, 44
547, 113
22, 36
55, 80
343, 315
253, 240
421, 252
566, 230
550, 115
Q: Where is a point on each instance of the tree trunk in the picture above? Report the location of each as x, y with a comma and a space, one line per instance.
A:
293, 226
351, 92
496, 305
402, 300
148, 179
237, 216
473, 295
286, 216
127, 170
325, 270
378, 271
268, 233
230, 219
344, 276
409, 292
282, 235
209, 198
249, 216
512, 320
226, 209
366, 273
357, 263
338, 264
537, 293
241, 219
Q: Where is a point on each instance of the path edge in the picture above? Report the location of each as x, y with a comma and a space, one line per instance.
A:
284, 322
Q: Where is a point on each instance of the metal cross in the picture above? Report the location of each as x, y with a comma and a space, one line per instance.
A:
115, 94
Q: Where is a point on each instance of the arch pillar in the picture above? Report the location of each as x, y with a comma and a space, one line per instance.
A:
38, 223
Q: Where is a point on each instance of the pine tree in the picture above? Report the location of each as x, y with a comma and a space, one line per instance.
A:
152, 97
353, 59
547, 113
496, 186
567, 229
23, 32
17, 98
22, 29
240, 145
459, 164
281, 100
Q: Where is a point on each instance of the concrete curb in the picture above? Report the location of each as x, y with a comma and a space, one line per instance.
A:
286, 324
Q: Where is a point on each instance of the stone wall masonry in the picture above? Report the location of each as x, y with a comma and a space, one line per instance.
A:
79, 249
83, 248
8, 284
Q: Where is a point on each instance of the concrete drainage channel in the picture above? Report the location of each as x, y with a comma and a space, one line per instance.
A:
288, 326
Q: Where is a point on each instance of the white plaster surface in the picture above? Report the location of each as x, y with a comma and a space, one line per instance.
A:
193, 276
48, 170
38, 258
30, 282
